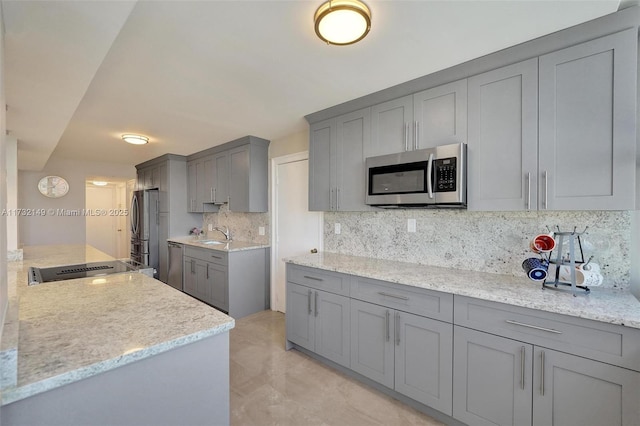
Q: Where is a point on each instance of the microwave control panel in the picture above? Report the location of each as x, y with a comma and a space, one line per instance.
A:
445, 174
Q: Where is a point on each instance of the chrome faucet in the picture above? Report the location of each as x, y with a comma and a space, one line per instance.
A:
225, 231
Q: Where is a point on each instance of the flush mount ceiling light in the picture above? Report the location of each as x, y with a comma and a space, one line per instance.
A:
135, 139
99, 183
342, 22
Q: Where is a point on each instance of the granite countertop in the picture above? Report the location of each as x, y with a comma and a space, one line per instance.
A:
227, 247
608, 305
74, 329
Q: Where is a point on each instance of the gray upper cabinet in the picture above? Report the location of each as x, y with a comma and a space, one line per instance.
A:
235, 173
587, 133
433, 117
322, 139
440, 115
503, 138
248, 178
336, 162
391, 127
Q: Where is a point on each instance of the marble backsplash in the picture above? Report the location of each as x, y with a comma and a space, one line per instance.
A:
494, 242
243, 226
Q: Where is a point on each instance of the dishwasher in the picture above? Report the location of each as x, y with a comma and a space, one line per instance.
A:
175, 265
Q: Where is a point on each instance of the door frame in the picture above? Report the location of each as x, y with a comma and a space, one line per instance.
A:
273, 176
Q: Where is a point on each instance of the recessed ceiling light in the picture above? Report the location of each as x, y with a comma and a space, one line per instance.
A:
99, 183
342, 22
135, 139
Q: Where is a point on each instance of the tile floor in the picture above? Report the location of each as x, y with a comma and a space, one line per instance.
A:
271, 386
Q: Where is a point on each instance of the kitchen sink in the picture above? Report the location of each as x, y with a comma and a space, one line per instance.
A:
213, 242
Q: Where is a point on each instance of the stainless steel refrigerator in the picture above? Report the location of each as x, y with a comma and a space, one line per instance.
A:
144, 228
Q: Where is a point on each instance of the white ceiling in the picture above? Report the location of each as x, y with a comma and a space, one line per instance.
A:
192, 75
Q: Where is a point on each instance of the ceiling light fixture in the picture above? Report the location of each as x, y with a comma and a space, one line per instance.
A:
135, 139
342, 22
99, 183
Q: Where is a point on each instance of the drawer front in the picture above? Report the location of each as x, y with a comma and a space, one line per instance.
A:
332, 282
614, 344
419, 301
213, 256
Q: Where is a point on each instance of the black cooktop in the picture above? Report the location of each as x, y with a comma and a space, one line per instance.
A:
81, 270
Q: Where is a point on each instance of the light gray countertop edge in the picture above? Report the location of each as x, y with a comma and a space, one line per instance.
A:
229, 247
10, 395
608, 305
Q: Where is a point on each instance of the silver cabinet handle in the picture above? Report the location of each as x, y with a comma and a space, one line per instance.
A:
395, 296
522, 353
193, 266
216, 257
398, 328
528, 190
406, 136
338, 199
309, 301
315, 304
387, 324
542, 373
331, 199
546, 189
416, 141
211, 194
313, 278
549, 330
207, 271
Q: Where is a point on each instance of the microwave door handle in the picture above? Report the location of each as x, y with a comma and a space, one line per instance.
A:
429, 172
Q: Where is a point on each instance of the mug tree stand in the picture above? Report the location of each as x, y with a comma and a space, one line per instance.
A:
571, 261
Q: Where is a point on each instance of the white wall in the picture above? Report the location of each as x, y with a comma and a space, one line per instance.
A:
12, 192
3, 186
59, 229
291, 144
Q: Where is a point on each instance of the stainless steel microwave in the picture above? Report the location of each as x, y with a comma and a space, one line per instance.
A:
433, 177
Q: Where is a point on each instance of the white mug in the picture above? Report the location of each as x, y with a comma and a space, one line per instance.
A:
583, 277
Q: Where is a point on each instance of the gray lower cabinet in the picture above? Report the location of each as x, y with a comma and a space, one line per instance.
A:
235, 282
492, 383
319, 321
405, 352
501, 381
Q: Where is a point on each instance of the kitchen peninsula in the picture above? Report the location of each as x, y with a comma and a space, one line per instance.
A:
115, 349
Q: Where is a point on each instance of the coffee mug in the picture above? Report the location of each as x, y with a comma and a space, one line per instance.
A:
536, 269
542, 243
583, 277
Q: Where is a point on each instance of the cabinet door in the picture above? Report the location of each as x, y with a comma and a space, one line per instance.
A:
423, 360
162, 180
192, 186
299, 318
332, 323
491, 379
322, 136
148, 178
353, 134
574, 391
239, 179
202, 189
503, 138
372, 337
208, 166
163, 235
221, 178
440, 115
587, 140
391, 127
203, 289
218, 282
189, 276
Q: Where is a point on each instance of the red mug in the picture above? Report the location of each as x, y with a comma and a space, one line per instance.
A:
543, 243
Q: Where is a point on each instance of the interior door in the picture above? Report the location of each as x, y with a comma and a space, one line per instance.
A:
296, 229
